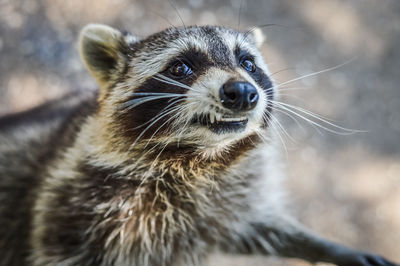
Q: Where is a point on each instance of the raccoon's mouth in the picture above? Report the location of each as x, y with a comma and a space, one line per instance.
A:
221, 124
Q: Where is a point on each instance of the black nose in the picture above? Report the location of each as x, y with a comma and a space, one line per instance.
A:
238, 96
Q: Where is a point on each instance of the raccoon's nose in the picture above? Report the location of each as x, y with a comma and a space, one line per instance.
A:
238, 96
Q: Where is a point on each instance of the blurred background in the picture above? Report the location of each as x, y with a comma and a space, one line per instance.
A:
347, 188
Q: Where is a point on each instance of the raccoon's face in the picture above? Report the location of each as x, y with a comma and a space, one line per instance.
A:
206, 87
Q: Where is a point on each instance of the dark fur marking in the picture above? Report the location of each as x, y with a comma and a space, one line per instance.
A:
134, 121
217, 49
198, 61
72, 218
20, 192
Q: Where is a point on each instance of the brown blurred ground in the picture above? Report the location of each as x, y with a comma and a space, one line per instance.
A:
344, 187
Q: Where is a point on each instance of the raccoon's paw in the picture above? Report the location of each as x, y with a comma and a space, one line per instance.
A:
362, 259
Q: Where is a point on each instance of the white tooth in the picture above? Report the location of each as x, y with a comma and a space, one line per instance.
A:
212, 118
219, 117
234, 119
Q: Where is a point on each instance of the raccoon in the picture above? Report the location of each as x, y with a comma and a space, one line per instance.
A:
172, 159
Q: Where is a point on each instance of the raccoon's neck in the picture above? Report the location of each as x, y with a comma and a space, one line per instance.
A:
96, 148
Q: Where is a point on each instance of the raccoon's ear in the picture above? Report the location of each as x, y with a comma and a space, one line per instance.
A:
104, 51
258, 36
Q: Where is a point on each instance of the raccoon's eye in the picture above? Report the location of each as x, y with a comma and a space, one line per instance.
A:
248, 65
180, 70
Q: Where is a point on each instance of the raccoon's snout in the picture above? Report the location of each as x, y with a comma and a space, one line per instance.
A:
238, 96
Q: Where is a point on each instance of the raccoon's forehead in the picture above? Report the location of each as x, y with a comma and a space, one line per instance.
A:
218, 44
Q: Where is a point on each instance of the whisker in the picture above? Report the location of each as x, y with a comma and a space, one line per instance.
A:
262, 137
154, 93
284, 131
179, 110
159, 154
317, 72
346, 131
165, 79
128, 105
238, 26
290, 116
281, 139
170, 81
148, 151
248, 32
177, 12
182, 130
292, 88
153, 147
163, 124
282, 70
319, 117
163, 17
165, 109
314, 124
240, 13
300, 100
148, 127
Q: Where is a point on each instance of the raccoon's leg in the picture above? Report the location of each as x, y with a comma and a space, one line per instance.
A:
294, 241
289, 239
